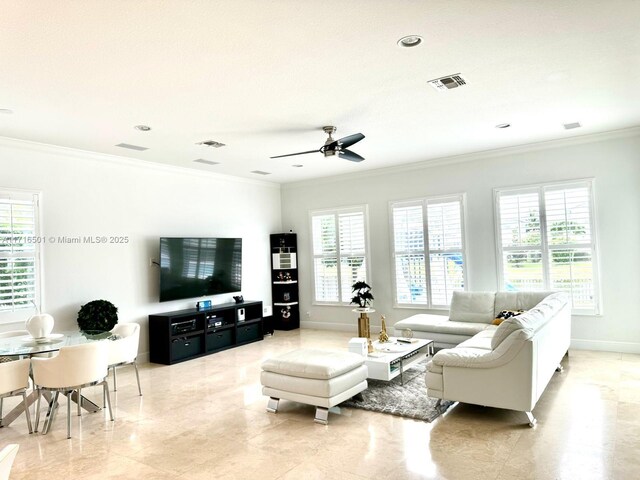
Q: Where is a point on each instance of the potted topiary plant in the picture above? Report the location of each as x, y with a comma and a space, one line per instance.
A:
97, 317
362, 294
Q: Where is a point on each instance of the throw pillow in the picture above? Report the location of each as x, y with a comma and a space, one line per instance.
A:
504, 314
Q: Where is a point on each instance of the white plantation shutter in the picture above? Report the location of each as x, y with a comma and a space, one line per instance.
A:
410, 259
19, 251
445, 249
428, 250
570, 243
521, 240
546, 241
339, 249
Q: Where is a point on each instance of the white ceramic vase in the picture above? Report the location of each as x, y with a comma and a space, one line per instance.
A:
40, 325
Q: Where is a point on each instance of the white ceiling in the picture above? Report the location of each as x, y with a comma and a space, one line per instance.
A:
264, 77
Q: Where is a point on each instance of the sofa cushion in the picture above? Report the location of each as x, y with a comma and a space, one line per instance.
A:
518, 300
477, 307
531, 321
437, 323
481, 340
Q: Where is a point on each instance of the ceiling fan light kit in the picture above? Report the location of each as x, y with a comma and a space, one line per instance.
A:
332, 147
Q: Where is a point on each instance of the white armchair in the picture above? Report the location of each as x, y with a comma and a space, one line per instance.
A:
74, 368
14, 381
124, 350
7, 456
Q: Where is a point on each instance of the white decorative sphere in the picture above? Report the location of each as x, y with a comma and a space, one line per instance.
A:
40, 325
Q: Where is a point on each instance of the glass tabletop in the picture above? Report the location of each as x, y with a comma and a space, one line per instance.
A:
27, 345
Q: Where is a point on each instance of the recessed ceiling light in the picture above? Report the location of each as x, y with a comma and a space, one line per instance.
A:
297, 165
260, 172
571, 126
410, 41
142, 128
503, 125
6, 111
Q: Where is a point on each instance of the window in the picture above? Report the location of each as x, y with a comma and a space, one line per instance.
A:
19, 251
428, 250
546, 241
340, 255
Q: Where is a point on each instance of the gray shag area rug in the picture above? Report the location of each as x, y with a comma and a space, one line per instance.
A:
409, 400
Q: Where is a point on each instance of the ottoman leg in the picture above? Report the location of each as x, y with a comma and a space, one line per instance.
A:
322, 416
272, 406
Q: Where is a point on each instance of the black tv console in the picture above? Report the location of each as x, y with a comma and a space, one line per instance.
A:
185, 334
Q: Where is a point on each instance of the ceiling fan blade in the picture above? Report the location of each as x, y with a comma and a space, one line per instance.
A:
346, 142
351, 156
292, 154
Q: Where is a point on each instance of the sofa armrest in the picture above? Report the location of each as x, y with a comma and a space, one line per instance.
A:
481, 358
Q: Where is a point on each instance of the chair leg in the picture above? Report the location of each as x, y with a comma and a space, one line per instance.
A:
26, 411
53, 407
135, 365
105, 389
69, 413
115, 381
80, 401
39, 392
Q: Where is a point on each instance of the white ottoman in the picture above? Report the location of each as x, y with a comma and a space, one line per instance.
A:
315, 377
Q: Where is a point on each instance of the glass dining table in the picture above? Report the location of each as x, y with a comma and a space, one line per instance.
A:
24, 346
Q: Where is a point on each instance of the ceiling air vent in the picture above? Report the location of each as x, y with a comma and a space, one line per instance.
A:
448, 82
208, 162
260, 172
132, 147
211, 143
571, 126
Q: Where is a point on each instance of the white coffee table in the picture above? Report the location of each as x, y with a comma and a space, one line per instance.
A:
393, 358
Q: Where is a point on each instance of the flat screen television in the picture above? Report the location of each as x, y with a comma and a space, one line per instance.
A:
195, 267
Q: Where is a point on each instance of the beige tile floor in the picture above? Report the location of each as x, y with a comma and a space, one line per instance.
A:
206, 419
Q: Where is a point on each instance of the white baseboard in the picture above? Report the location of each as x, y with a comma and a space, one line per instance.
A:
342, 327
142, 358
604, 346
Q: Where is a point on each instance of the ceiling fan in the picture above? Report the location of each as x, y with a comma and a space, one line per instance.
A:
332, 147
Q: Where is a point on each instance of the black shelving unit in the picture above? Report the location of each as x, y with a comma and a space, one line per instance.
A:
284, 281
185, 334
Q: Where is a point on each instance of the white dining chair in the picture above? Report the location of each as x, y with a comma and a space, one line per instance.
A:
14, 381
9, 334
124, 350
74, 368
7, 456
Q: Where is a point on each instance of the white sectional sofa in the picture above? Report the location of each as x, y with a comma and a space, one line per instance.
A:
508, 366
470, 313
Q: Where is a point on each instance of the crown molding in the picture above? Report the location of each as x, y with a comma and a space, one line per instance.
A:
75, 153
470, 157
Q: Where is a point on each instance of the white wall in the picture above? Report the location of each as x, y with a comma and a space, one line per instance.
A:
89, 194
612, 159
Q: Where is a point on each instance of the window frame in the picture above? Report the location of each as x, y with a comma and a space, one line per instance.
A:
545, 248
19, 315
424, 202
364, 209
